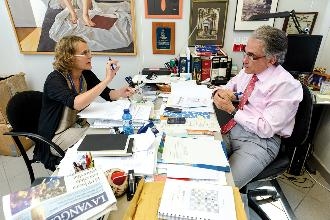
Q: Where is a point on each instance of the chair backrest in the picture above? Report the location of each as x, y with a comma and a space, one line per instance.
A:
23, 111
302, 121
298, 137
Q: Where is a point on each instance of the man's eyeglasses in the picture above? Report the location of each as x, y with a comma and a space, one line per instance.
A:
252, 56
85, 53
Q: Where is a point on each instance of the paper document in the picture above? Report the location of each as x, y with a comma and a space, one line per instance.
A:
205, 153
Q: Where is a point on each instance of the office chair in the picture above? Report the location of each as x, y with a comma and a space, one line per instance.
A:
23, 112
289, 147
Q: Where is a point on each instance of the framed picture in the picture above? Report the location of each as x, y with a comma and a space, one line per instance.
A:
305, 19
39, 25
163, 8
246, 8
163, 37
208, 22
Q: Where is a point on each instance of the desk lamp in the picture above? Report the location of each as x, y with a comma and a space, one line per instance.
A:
284, 14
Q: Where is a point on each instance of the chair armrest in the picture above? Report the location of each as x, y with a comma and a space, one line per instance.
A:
37, 137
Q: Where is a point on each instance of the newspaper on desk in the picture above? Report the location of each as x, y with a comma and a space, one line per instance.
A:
83, 195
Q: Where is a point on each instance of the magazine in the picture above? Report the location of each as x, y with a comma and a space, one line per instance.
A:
83, 195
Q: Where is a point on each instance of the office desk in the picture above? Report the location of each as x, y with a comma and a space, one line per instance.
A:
122, 202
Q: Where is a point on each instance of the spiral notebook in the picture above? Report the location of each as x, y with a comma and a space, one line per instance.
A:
196, 200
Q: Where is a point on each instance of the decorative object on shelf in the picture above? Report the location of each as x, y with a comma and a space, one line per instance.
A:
246, 8
163, 9
37, 33
305, 19
163, 37
208, 22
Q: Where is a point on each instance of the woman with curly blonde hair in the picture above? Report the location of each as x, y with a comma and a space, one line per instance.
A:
71, 87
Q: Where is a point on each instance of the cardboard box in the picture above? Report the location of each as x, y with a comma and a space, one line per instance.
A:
8, 146
9, 86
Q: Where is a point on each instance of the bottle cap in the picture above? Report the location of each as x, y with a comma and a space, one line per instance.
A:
126, 110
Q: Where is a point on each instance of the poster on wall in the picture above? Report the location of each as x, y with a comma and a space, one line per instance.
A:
109, 27
163, 37
246, 8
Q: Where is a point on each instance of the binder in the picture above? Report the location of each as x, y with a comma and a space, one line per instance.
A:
196, 68
107, 145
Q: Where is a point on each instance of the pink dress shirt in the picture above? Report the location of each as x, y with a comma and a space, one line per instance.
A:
273, 104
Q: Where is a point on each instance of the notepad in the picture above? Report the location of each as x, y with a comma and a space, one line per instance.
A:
196, 200
107, 145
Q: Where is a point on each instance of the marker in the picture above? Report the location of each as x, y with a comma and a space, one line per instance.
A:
130, 82
113, 66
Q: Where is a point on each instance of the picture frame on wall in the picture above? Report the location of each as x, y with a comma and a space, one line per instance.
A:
163, 37
208, 22
169, 9
306, 20
38, 33
246, 8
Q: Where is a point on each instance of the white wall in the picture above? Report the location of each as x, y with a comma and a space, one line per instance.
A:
38, 67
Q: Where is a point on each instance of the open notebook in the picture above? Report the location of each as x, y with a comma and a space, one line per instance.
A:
107, 145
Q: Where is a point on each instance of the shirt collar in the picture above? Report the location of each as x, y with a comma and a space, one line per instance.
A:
264, 75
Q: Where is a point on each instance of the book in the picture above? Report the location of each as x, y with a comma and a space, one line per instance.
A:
107, 145
103, 22
196, 200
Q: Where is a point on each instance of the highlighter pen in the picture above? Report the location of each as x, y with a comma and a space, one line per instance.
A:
113, 66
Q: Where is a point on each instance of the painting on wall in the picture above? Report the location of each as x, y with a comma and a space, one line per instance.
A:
163, 9
38, 25
246, 8
208, 22
306, 21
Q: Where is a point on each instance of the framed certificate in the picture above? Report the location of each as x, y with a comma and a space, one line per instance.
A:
163, 37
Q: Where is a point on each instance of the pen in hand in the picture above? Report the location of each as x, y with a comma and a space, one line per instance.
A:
113, 66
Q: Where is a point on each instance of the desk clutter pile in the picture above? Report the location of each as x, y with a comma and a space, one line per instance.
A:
9, 86
177, 172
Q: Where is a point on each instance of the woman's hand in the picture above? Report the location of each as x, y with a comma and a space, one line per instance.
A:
110, 73
123, 92
223, 100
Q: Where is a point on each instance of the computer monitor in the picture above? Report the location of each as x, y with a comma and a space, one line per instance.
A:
302, 53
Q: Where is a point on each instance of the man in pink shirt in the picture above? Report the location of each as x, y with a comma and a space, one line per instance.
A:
271, 98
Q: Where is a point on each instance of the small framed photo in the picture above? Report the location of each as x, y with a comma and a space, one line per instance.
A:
305, 19
208, 22
163, 9
163, 37
246, 8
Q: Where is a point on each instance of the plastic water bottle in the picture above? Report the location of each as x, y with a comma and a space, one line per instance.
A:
127, 122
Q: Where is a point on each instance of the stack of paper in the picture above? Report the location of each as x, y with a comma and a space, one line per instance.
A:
187, 151
108, 114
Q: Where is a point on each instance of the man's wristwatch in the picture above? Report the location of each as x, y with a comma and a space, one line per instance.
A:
233, 113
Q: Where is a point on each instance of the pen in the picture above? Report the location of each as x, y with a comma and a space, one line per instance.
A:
237, 93
113, 66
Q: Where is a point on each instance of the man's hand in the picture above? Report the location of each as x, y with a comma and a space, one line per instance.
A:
223, 100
